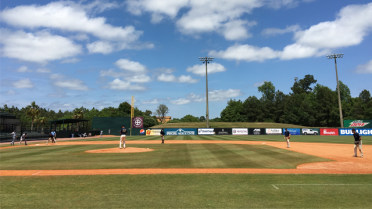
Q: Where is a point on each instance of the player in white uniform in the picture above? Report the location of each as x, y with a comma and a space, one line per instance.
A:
13, 138
123, 132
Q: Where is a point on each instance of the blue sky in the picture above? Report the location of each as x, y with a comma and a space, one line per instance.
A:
68, 54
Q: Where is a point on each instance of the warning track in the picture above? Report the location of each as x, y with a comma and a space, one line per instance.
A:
341, 155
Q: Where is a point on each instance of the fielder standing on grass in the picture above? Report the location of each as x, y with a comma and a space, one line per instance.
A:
13, 138
123, 132
357, 143
162, 133
23, 138
287, 136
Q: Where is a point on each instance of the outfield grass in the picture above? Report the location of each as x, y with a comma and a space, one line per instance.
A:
278, 138
188, 191
164, 156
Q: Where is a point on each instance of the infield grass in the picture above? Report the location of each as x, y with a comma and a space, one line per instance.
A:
188, 191
164, 156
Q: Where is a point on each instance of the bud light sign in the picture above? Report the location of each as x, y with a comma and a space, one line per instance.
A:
361, 131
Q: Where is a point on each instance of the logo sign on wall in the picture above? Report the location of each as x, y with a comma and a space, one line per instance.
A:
358, 123
240, 131
361, 131
223, 131
256, 131
206, 131
293, 131
274, 131
153, 132
137, 122
142, 132
180, 131
329, 131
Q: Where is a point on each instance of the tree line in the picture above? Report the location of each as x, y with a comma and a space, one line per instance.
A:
37, 118
309, 104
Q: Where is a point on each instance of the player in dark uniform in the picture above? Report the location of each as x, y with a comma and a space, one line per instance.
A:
123, 133
357, 143
162, 133
287, 136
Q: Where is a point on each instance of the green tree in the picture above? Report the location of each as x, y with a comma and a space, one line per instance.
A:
233, 112
162, 111
189, 118
33, 112
252, 110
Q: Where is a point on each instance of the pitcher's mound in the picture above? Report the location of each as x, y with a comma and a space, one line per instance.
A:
118, 150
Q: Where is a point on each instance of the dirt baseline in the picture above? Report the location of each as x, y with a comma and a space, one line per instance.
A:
341, 154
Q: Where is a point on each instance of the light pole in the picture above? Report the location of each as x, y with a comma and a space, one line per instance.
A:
206, 60
335, 56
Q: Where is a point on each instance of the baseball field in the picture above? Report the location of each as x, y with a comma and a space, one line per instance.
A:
187, 172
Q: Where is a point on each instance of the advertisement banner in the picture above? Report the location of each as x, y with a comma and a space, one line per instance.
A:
153, 132
256, 131
206, 131
240, 131
223, 131
293, 131
310, 131
142, 132
274, 131
361, 131
137, 122
180, 131
329, 131
358, 123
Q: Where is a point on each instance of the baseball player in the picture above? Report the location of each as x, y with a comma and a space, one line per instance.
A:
357, 143
287, 136
162, 133
123, 132
23, 137
14, 135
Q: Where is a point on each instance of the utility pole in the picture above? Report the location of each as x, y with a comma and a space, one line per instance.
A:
206, 60
335, 56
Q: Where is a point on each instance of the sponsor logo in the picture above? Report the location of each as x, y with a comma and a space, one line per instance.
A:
358, 123
363, 132
273, 131
142, 131
180, 132
153, 132
329, 131
206, 131
137, 122
257, 131
240, 131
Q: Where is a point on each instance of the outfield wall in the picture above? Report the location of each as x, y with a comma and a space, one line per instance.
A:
258, 131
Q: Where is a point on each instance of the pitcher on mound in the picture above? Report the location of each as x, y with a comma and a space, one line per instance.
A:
123, 132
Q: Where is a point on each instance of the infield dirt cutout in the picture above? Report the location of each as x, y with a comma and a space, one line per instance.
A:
341, 155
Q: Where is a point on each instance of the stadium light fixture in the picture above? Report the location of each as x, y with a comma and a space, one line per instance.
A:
206, 60
335, 56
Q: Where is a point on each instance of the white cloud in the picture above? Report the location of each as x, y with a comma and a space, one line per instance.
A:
40, 47
200, 69
180, 101
222, 95
246, 53
131, 66
23, 84
103, 47
23, 69
63, 82
66, 16
365, 68
167, 77
186, 79
118, 84
278, 31
354, 22
138, 78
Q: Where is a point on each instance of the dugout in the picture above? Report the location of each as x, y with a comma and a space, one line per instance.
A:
68, 127
8, 124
